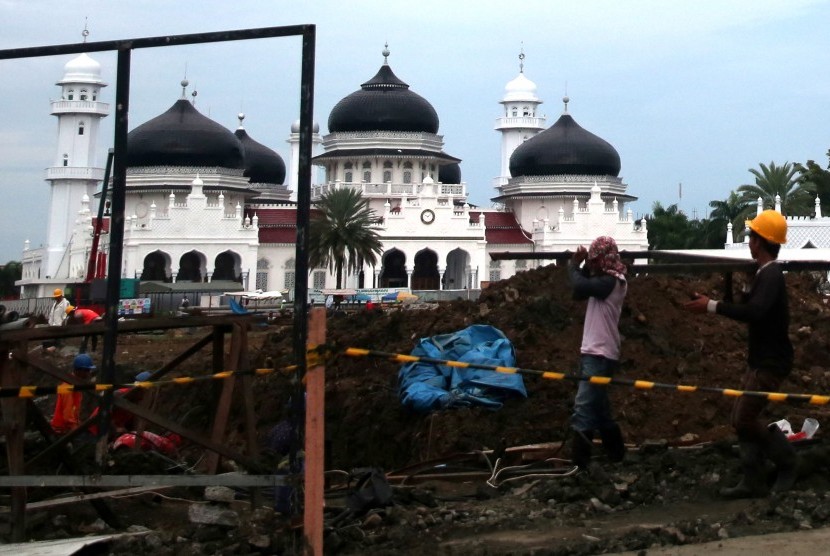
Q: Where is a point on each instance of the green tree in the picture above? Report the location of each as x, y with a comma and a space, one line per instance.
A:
669, 228
811, 172
340, 236
796, 196
734, 209
9, 273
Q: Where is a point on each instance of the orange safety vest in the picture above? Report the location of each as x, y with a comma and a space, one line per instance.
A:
67, 412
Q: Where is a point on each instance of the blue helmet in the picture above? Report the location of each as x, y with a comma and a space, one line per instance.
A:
83, 361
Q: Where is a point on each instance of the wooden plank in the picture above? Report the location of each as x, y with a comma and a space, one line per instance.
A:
127, 326
172, 426
41, 424
107, 481
14, 415
249, 410
223, 407
315, 381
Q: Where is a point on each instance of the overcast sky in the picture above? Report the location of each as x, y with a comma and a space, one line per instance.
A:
687, 92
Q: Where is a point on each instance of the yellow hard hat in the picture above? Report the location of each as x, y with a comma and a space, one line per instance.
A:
58, 292
69, 309
770, 225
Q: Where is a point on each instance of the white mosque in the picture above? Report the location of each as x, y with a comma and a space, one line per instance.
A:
205, 203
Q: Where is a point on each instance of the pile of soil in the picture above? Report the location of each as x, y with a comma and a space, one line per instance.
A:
665, 492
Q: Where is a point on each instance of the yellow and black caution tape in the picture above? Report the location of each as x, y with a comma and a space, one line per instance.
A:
814, 399
35, 391
319, 354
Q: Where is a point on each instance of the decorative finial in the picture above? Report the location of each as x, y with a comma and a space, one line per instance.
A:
184, 83
85, 32
385, 53
240, 117
566, 100
193, 94
522, 58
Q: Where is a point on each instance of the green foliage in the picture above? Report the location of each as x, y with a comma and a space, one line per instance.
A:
9, 273
811, 172
340, 236
670, 228
734, 209
796, 195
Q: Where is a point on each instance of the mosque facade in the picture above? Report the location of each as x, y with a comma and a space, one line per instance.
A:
205, 203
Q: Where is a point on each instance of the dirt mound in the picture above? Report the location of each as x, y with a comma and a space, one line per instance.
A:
367, 425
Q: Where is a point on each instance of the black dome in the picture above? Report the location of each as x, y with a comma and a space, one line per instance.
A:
565, 148
449, 173
384, 103
262, 164
183, 137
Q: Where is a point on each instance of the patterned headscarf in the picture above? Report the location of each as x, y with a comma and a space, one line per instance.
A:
603, 252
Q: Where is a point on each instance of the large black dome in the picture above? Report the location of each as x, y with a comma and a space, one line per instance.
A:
183, 137
262, 165
449, 173
565, 148
384, 103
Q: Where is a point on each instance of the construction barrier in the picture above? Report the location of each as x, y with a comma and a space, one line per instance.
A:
316, 355
814, 399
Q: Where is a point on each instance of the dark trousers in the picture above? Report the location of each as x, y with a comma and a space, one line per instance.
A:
746, 410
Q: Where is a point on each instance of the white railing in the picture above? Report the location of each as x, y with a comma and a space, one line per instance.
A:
67, 172
85, 106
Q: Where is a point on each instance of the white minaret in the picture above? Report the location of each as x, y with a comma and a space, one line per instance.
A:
74, 172
294, 141
521, 119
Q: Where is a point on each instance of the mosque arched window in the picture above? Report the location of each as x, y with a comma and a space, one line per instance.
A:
70, 95
515, 112
525, 111
349, 177
81, 128
407, 176
387, 176
367, 172
83, 94
66, 160
94, 94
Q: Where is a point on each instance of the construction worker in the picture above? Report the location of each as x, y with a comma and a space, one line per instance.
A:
83, 316
602, 282
56, 317
57, 313
769, 356
67, 414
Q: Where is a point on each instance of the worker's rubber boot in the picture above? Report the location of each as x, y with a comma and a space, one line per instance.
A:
752, 484
781, 452
581, 447
612, 441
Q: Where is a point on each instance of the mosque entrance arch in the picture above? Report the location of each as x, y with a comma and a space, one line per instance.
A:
227, 266
393, 270
425, 275
191, 267
156, 267
456, 277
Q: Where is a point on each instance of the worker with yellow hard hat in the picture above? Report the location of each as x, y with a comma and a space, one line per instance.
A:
769, 356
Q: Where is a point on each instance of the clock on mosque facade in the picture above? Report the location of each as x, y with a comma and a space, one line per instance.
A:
427, 216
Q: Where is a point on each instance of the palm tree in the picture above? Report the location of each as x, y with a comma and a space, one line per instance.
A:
340, 236
735, 209
772, 180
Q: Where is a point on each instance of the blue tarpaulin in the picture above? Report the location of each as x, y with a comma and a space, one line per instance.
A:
426, 386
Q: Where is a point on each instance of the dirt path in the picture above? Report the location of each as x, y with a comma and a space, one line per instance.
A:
801, 543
